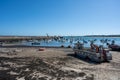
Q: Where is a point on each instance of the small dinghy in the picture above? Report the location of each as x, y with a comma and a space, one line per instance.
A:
35, 43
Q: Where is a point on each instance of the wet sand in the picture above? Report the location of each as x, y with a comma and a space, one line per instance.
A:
54, 64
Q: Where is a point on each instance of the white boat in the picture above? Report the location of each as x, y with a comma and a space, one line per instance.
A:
98, 54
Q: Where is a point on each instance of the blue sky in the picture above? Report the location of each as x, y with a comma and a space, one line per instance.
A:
59, 17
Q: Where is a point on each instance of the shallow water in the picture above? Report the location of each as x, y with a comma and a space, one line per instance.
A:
67, 40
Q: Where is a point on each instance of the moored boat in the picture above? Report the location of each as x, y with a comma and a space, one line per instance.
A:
35, 43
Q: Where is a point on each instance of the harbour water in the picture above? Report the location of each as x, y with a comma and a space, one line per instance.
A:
70, 41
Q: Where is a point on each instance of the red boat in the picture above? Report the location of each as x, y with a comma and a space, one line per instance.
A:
114, 47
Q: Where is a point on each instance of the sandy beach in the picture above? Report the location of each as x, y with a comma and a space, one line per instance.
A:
54, 64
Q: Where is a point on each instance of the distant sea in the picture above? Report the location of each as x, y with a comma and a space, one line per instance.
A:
71, 40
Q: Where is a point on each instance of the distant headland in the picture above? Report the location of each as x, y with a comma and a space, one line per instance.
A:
102, 36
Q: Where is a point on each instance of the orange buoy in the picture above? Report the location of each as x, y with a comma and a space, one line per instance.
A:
41, 49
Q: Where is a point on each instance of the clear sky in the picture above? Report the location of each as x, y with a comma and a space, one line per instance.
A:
59, 17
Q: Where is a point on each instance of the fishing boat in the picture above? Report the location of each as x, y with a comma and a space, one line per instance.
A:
95, 53
113, 46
